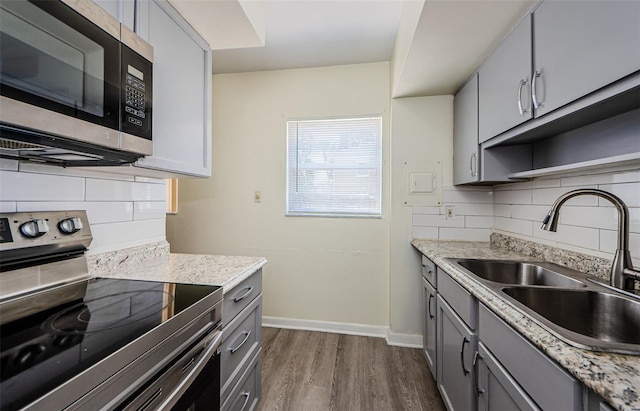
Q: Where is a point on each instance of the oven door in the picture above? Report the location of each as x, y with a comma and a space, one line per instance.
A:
190, 383
59, 72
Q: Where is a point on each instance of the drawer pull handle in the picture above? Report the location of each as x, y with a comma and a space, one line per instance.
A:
429, 305
247, 334
150, 401
237, 299
464, 370
246, 396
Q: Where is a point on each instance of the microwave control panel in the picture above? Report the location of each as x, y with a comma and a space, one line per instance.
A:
136, 94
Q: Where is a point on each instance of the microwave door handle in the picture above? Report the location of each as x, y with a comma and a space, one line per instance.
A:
174, 396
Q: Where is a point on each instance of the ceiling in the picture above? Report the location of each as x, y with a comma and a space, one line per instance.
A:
449, 37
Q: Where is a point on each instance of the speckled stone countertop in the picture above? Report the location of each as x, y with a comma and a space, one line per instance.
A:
155, 263
615, 377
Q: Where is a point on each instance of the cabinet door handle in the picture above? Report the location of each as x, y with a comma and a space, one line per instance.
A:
534, 96
476, 357
473, 165
522, 110
464, 370
246, 396
247, 334
240, 298
429, 305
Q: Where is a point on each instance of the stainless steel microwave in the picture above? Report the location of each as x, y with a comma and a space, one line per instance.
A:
75, 84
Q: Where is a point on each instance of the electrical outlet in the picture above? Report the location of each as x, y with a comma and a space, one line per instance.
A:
257, 196
449, 213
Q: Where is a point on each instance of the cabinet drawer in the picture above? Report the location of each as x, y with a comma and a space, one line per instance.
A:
241, 336
429, 271
462, 302
551, 387
240, 296
246, 393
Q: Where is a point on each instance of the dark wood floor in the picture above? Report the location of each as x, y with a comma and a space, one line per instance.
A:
314, 371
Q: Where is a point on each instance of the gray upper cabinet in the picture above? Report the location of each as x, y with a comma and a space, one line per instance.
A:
581, 46
123, 10
504, 84
181, 92
465, 133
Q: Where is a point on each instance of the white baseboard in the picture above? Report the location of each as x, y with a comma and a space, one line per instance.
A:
404, 340
400, 340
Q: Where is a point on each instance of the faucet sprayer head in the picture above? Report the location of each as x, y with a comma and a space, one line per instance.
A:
550, 222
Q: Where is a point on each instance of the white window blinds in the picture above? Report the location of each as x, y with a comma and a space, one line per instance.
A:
334, 167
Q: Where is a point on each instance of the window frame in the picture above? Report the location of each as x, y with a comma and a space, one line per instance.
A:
378, 214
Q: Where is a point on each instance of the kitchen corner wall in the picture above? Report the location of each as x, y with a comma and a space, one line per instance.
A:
123, 211
320, 270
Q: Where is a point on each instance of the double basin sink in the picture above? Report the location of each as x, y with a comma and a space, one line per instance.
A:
563, 301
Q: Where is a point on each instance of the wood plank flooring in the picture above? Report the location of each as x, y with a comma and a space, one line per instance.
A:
315, 371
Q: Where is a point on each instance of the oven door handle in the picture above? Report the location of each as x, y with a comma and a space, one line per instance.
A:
212, 344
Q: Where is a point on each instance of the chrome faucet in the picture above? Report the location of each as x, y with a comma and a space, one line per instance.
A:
623, 275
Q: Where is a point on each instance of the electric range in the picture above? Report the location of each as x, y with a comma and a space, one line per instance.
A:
73, 342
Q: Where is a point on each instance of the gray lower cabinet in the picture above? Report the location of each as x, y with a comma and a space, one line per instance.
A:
240, 364
540, 379
429, 301
481, 362
456, 346
496, 389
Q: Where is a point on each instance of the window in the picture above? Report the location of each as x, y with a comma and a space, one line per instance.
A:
334, 167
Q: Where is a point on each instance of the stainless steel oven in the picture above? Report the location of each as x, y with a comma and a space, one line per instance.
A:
74, 82
69, 342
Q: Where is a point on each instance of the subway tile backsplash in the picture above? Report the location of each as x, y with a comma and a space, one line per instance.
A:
587, 224
123, 211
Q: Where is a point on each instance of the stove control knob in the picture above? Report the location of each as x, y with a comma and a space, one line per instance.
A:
34, 228
70, 225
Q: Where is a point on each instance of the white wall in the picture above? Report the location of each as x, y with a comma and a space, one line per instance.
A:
421, 133
123, 211
320, 269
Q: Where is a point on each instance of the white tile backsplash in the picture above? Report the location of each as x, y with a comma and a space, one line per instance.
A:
547, 196
440, 220
467, 196
628, 192
512, 225
587, 224
122, 212
113, 190
466, 234
472, 221
7, 207
513, 197
149, 210
19, 186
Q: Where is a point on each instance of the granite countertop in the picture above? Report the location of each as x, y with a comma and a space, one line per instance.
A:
155, 263
615, 377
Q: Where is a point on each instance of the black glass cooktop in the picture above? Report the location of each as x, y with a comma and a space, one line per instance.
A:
44, 350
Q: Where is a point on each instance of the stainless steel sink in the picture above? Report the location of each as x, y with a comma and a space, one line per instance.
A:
594, 319
520, 273
581, 312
